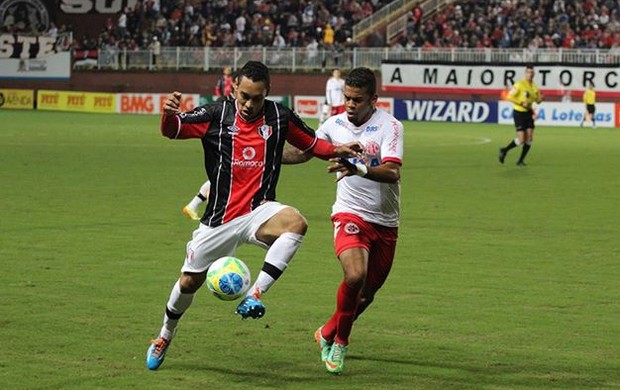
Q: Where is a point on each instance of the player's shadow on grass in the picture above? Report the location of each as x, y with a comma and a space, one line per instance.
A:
245, 372
497, 374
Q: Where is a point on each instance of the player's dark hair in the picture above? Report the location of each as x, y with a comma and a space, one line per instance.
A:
255, 71
362, 78
529, 66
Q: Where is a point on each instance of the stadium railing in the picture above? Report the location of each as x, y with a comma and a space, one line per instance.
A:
302, 59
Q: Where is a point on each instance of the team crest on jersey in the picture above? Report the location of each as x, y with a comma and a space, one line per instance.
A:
371, 149
351, 228
232, 129
265, 131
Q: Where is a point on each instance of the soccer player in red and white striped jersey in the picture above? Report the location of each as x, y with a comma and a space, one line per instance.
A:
243, 142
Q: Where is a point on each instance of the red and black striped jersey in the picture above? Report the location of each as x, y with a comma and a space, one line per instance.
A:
242, 159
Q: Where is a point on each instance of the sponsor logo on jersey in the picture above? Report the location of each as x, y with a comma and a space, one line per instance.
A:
182, 115
247, 163
393, 145
249, 153
370, 129
265, 131
351, 228
232, 129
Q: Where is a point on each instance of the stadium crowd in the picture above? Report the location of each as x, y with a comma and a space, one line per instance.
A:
234, 23
517, 24
315, 24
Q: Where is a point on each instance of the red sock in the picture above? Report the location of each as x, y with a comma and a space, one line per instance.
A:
329, 329
346, 304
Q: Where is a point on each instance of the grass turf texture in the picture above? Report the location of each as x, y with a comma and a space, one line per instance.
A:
505, 277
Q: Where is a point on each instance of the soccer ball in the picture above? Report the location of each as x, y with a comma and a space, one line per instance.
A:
228, 278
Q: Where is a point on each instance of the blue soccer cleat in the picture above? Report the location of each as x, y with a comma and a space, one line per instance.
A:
251, 306
157, 353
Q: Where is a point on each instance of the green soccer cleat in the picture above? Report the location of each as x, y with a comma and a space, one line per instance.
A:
335, 360
324, 345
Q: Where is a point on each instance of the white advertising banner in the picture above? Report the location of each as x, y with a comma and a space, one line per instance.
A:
562, 114
487, 79
55, 66
33, 57
310, 106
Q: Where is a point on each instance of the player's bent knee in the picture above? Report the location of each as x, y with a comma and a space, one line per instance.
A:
293, 221
191, 282
355, 279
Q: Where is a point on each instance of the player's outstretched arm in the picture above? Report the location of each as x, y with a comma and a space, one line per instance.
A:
170, 124
172, 104
351, 149
292, 155
388, 172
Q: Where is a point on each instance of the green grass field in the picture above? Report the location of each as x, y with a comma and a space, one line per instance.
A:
505, 277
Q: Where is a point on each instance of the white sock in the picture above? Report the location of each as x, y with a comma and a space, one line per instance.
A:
202, 196
277, 258
176, 306
205, 188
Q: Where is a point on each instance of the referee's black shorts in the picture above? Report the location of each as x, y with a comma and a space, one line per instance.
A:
591, 109
523, 120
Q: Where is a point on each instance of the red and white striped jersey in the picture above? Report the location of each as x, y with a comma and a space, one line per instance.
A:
242, 159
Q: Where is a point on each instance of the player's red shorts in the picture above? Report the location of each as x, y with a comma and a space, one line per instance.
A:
337, 110
350, 231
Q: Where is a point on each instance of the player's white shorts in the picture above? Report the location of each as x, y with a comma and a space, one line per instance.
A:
209, 244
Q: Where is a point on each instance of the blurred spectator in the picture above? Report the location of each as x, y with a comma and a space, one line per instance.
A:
224, 85
122, 25
312, 51
155, 47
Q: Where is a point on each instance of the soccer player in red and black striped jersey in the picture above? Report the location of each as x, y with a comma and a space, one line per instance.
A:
243, 142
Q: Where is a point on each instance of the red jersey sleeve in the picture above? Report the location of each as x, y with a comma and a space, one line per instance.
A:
193, 124
303, 138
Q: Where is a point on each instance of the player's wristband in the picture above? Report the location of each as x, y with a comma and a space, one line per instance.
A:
362, 169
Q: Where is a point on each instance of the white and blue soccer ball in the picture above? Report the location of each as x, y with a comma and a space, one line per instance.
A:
228, 278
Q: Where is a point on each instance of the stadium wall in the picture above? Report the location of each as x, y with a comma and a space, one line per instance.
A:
204, 84
201, 83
